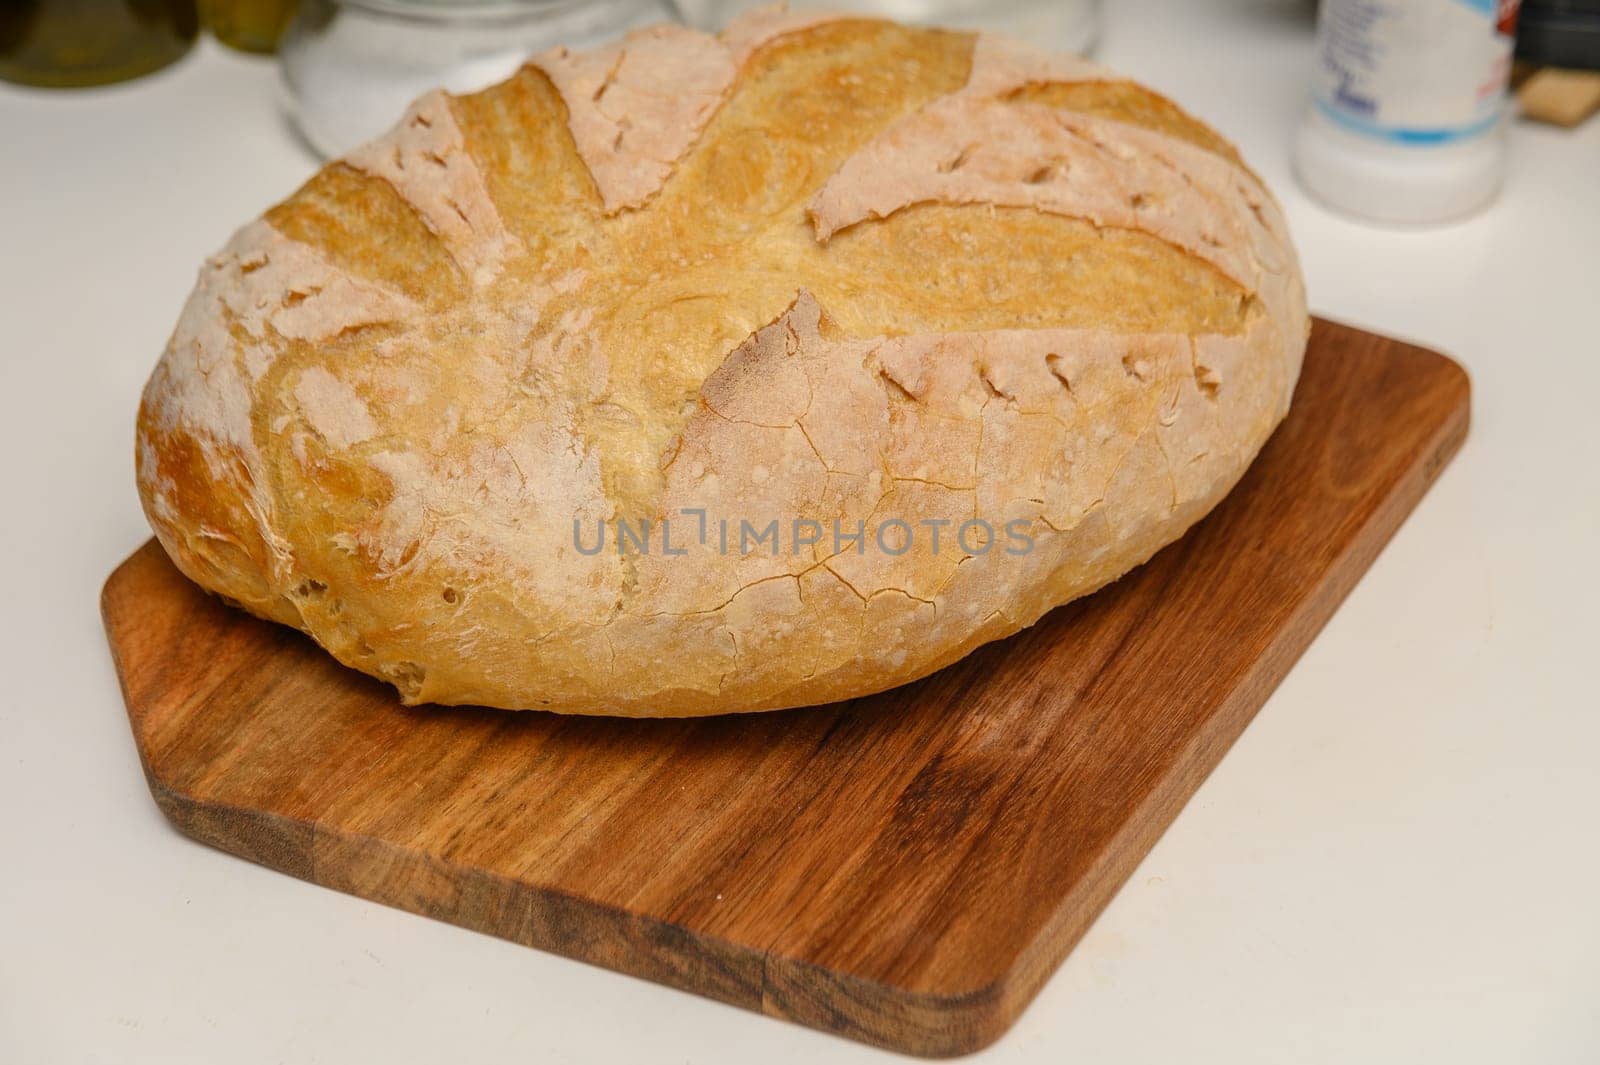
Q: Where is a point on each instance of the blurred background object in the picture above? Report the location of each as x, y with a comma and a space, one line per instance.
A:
248, 25
71, 43
1072, 25
1559, 96
352, 66
1558, 60
1406, 123
1560, 33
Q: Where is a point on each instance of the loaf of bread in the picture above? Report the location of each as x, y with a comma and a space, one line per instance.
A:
699, 374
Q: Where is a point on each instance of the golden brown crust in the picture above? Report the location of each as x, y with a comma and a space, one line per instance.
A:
818, 270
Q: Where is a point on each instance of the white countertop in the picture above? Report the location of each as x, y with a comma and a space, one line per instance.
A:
1398, 862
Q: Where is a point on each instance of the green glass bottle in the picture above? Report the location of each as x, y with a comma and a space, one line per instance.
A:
248, 25
68, 43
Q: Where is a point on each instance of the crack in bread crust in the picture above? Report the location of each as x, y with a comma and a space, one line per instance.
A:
819, 269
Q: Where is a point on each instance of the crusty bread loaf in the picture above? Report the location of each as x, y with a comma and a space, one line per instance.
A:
812, 278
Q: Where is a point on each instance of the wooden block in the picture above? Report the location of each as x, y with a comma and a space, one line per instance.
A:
905, 869
1563, 97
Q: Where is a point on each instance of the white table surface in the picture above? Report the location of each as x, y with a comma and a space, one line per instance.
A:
1398, 862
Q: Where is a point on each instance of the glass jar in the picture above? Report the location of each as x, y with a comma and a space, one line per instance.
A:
69, 43
1063, 25
350, 67
248, 25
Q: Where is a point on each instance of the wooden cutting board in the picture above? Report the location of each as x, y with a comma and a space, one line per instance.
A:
905, 869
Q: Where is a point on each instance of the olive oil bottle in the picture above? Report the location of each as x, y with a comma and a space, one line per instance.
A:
67, 43
248, 25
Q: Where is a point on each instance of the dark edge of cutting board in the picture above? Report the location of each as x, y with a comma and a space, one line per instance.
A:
905, 870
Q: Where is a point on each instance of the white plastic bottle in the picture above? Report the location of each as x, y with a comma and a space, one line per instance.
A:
1406, 122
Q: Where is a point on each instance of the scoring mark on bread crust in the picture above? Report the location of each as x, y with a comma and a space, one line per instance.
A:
447, 190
